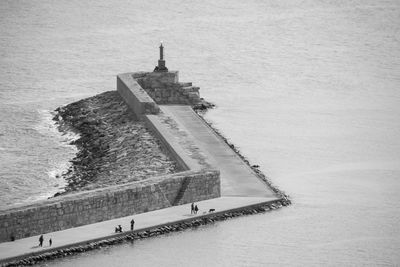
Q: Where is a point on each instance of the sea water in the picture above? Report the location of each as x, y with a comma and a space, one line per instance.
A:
308, 90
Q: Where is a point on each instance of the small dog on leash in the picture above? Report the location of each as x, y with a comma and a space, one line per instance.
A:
211, 210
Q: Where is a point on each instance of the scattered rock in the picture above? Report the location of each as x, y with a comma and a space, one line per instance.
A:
112, 141
203, 106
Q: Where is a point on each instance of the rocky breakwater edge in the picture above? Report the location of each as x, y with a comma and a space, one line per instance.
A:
114, 147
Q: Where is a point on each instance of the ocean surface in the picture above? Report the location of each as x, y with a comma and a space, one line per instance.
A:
309, 90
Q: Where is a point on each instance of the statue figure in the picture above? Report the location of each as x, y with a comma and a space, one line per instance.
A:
161, 62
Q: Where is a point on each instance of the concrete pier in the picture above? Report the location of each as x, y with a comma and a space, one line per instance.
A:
240, 188
194, 146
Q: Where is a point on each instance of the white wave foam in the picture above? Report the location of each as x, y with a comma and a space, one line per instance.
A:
47, 126
60, 163
57, 171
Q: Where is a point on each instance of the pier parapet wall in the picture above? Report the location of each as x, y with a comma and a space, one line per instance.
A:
135, 96
108, 203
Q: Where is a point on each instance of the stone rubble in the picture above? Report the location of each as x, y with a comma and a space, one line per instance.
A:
114, 147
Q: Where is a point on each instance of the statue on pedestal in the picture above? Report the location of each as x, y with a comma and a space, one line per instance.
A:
161, 62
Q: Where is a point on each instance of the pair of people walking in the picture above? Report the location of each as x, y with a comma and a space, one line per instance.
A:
194, 209
41, 239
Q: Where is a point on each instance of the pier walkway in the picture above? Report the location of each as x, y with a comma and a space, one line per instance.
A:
26, 247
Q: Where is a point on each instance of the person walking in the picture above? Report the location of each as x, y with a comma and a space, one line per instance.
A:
196, 209
192, 209
132, 224
50, 242
41, 239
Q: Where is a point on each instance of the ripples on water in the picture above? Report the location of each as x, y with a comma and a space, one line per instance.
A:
33, 155
309, 90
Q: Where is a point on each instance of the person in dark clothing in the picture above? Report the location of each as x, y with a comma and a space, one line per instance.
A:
192, 209
119, 228
132, 224
41, 239
196, 209
50, 242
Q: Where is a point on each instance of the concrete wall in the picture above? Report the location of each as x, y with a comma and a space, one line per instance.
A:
170, 144
108, 203
161, 87
135, 96
158, 79
175, 94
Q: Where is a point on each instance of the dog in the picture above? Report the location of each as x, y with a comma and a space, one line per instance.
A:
211, 210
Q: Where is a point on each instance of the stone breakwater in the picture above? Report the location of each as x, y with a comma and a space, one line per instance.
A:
131, 236
114, 146
106, 162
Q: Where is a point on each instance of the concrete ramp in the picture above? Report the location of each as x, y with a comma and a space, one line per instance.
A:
237, 178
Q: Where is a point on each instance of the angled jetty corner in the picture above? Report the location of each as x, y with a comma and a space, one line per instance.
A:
210, 173
164, 104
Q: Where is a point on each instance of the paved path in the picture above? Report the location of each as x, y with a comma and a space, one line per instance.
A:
237, 179
105, 229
